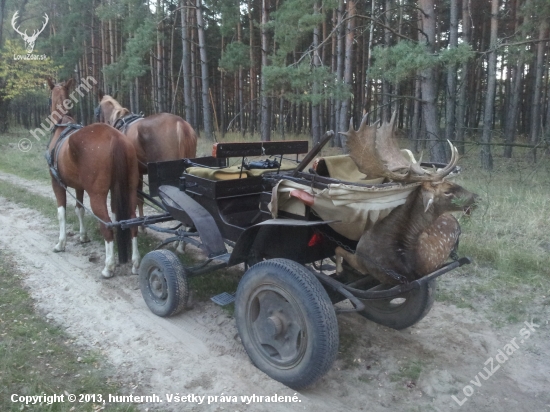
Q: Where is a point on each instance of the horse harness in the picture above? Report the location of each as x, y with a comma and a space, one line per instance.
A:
53, 154
123, 123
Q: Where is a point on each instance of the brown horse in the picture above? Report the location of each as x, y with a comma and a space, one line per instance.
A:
156, 138
95, 159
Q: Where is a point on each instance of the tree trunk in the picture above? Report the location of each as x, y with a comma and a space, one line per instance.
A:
428, 85
348, 69
339, 70
539, 73
2, 15
186, 57
265, 110
386, 87
315, 113
515, 92
461, 109
252, 118
451, 75
486, 156
240, 86
207, 116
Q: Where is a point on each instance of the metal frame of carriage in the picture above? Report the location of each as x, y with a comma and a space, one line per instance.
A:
284, 303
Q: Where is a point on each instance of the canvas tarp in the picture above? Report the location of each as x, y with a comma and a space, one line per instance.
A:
356, 208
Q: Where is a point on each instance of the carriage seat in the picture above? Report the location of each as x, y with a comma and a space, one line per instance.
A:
234, 172
249, 149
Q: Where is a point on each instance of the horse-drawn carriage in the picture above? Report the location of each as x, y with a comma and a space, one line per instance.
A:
284, 302
286, 225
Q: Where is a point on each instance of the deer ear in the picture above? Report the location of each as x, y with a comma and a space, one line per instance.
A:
427, 199
50, 82
69, 84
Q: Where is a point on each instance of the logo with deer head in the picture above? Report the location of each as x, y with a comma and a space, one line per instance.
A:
29, 40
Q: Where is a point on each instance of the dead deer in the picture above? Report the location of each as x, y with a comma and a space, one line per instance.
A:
417, 237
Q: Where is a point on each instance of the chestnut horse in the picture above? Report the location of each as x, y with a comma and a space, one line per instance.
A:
95, 159
156, 138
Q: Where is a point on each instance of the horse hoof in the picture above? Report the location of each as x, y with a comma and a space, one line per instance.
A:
58, 249
107, 273
135, 270
84, 239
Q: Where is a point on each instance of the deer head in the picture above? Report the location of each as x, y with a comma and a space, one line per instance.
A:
377, 154
29, 40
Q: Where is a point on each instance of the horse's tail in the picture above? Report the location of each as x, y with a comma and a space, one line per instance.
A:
120, 194
187, 140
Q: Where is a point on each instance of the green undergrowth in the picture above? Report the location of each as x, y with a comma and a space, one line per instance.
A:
31, 164
38, 358
508, 237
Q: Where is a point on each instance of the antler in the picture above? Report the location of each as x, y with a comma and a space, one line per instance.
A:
36, 33
13, 20
376, 154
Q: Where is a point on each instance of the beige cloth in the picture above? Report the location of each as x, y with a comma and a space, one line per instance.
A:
356, 208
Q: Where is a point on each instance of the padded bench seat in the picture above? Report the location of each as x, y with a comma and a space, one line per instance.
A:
233, 172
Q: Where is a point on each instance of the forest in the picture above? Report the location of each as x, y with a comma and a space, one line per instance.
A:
472, 72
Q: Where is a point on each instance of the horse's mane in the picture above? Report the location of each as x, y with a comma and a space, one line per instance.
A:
118, 111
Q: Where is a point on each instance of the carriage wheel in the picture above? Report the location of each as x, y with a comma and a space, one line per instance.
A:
286, 322
163, 282
401, 311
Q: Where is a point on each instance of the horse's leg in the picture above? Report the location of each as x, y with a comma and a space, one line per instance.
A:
61, 197
98, 203
79, 210
136, 257
140, 202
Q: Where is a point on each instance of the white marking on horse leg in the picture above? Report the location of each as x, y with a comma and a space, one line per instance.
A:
136, 257
114, 217
108, 270
60, 247
80, 214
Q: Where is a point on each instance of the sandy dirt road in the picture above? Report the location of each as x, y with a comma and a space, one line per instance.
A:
199, 352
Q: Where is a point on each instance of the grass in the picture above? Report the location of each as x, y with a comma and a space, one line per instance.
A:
410, 372
507, 236
347, 351
30, 165
39, 358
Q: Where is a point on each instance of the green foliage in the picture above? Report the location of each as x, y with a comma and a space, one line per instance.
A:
406, 58
230, 15
236, 55
296, 83
131, 63
293, 22
18, 77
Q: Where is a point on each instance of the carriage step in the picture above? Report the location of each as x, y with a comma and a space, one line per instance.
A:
223, 299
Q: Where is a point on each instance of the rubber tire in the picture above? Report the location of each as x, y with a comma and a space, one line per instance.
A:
417, 305
320, 340
172, 272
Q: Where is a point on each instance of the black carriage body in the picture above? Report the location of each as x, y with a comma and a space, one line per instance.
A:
239, 208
